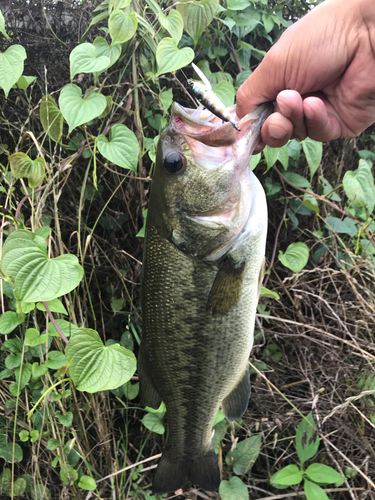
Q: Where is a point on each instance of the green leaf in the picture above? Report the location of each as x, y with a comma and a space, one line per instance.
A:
345, 226
313, 491
321, 473
103, 49
296, 179
234, 489
84, 59
2, 26
25, 376
36, 277
311, 202
122, 149
87, 483
6, 451
288, 476
268, 23
51, 118
56, 360
68, 474
271, 155
94, 367
122, 27
65, 326
24, 435
131, 391
166, 99
244, 454
359, 186
33, 338
11, 66
197, 15
237, 4
225, 91
34, 435
19, 486
142, 231
295, 256
307, 442
38, 370
284, 156
7, 289
23, 166
170, 58
313, 151
119, 4
66, 420
9, 321
13, 361
24, 81
53, 444
255, 159
174, 24
78, 110
152, 422
265, 292
54, 305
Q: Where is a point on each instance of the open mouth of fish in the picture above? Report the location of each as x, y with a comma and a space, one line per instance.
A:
214, 142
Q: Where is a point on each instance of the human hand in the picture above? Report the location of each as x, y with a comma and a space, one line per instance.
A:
327, 59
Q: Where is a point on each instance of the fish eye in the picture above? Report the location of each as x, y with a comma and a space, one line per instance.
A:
173, 162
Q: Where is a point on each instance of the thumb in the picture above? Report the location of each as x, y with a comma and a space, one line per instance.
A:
260, 87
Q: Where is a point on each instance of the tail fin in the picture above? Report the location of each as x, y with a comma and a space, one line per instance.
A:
173, 474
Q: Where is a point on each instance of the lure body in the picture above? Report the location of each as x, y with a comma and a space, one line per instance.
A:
211, 101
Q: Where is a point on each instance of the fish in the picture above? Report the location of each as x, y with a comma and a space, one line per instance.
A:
203, 265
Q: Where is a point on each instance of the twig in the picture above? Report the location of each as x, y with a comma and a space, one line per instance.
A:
299, 493
53, 321
40, 188
129, 467
312, 327
233, 52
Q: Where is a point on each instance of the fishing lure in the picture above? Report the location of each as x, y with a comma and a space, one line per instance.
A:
207, 97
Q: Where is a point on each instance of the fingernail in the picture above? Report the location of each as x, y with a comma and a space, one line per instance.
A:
276, 132
285, 110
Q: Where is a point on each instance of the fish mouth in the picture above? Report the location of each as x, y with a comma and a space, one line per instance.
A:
212, 130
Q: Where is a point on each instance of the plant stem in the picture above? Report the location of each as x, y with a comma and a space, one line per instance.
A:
53, 321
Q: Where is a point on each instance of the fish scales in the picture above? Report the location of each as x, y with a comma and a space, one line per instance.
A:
199, 296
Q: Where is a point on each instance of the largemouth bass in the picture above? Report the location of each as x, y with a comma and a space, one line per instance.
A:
203, 264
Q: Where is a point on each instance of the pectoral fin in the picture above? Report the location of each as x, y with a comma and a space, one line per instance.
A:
226, 289
149, 395
236, 403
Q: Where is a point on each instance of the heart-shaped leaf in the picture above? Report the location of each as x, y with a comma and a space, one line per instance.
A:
102, 48
313, 151
51, 118
78, 110
9, 487
37, 278
345, 226
23, 166
9, 321
295, 256
244, 454
85, 59
95, 367
225, 91
24, 81
87, 483
359, 186
122, 149
234, 489
2, 26
122, 27
174, 24
197, 15
33, 338
11, 66
170, 58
